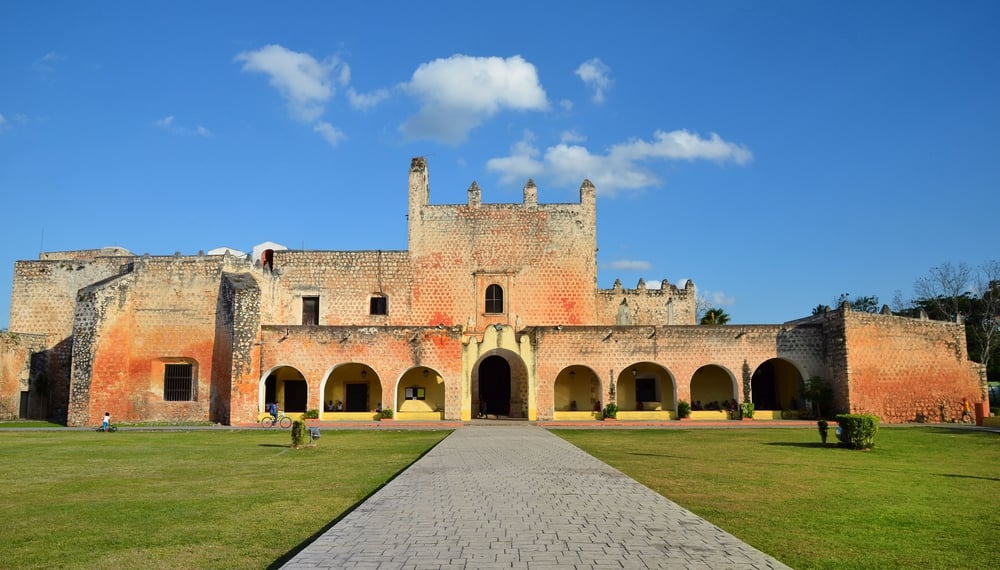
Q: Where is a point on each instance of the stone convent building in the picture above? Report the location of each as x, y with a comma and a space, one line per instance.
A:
491, 306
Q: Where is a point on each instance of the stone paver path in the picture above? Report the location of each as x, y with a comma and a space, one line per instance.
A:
516, 496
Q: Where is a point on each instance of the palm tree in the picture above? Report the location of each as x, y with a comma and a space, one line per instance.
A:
715, 317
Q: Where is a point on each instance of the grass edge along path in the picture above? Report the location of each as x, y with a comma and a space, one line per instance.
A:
923, 498
192, 499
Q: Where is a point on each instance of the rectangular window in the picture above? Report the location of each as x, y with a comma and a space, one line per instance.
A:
310, 310
178, 382
379, 306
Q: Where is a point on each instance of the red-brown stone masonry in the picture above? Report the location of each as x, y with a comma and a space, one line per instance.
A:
901, 368
390, 351
680, 350
164, 313
545, 253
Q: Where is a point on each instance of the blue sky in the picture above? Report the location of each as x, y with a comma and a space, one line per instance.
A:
776, 153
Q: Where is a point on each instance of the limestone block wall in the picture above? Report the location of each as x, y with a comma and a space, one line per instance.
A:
901, 368
16, 352
317, 352
344, 281
679, 351
127, 329
665, 305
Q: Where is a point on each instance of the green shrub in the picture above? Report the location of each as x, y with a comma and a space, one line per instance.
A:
746, 409
857, 431
311, 414
995, 411
611, 411
298, 433
386, 413
683, 409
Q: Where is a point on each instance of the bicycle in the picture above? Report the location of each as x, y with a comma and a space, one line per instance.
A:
111, 428
267, 420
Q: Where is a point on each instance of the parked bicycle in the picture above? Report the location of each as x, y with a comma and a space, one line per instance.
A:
267, 420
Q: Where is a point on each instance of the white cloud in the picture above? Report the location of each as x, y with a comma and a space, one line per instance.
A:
3, 121
717, 298
167, 123
622, 168
301, 79
461, 92
365, 101
47, 63
629, 265
594, 74
330, 133
566, 104
571, 137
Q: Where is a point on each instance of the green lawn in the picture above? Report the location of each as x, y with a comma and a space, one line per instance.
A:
199, 499
923, 498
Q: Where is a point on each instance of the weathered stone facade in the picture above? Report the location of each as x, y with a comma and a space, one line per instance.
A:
492, 306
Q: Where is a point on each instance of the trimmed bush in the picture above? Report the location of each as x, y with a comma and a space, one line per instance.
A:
857, 431
298, 433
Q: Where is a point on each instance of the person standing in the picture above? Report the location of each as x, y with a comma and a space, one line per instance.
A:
107, 421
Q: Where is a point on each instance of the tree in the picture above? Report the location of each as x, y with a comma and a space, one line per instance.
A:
715, 316
867, 304
974, 293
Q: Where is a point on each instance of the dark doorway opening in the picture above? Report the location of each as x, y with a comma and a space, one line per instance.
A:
295, 395
762, 386
357, 398
271, 389
494, 385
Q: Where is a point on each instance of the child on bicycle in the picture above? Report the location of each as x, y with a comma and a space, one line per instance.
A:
107, 421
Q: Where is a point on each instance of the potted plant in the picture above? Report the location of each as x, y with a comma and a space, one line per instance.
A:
823, 428
683, 410
385, 414
746, 410
610, 412
312, 414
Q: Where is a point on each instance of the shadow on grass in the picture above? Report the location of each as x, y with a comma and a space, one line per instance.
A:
818, 444
659, 455
305, 543
957, 476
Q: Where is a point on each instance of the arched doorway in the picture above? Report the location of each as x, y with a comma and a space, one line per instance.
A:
494, 386
287, 387
776, 385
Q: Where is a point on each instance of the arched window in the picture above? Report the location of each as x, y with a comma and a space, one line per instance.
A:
494, 299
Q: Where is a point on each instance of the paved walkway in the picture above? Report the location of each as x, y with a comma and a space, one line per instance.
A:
516, 496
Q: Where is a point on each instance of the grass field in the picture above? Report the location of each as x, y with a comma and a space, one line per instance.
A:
923, 498
198, 499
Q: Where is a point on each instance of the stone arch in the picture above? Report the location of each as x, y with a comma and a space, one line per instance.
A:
354, 389
776, 384
647, 387
285, 385
500, 382
420, 394
713, 384
577, 384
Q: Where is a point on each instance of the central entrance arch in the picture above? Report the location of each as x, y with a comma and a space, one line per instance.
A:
494, 386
